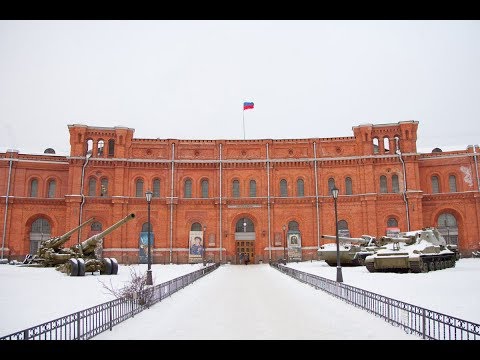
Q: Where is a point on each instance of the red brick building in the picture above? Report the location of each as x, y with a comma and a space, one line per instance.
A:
239, 196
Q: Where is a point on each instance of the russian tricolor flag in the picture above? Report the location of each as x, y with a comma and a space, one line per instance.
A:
247, 105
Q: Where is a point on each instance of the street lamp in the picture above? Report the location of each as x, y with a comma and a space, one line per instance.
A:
448, 232
203, 244
284, 245
148, 195
339, 268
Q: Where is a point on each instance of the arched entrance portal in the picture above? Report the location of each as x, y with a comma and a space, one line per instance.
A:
447, 225
244, 240
39, 232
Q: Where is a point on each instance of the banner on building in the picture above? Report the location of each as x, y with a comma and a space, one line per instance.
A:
195, 253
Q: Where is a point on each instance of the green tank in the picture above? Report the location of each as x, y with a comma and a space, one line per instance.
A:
352, 251
414, 251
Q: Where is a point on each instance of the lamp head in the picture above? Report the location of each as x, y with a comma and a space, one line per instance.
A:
335, 192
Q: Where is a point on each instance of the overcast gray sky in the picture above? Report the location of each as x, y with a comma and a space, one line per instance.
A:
188, 79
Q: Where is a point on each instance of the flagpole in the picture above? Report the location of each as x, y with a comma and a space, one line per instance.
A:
243, 118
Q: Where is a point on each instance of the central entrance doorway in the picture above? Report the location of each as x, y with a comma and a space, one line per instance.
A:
244, 240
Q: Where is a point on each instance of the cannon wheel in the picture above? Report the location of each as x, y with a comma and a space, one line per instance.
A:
72, 268
106, 267
81, 267
114, 266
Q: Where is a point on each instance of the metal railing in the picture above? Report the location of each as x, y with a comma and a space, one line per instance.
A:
413, 319
85, 324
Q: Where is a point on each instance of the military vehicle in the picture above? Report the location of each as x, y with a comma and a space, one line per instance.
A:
352, 251
414, 251
80, 258
85, 258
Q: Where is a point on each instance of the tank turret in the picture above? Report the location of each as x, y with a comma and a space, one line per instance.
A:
414, 251
352, 251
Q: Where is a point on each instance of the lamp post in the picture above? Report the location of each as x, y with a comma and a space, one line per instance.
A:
148, 195
284, 245
203, 245
448, 232
339, 268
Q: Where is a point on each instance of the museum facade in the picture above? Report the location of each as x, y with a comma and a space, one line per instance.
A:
267, 198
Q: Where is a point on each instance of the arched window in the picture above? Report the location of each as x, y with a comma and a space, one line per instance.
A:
293, 225
397, 143
283, 188
96, 226
34, 188
395, 186
331, 185
244, 225
348, 186
205, 188
300, 188
145, 227
196, 227
236, 188
104, 187
392, 222
111, 147
51, 189
452, 182
187, 190
448, 227
100, 148
386, 144
89, 147
156, 188
435, 185
383, 184
253, 188
375, 145
39, 232
139, 188
92, 186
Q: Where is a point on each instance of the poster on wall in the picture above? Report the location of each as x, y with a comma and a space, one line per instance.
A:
195, 253
143, 246
294, 246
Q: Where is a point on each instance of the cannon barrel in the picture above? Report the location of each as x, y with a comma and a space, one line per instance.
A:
346, 239
57, 241
89, 244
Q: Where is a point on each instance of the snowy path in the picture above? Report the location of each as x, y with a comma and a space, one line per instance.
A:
253, 302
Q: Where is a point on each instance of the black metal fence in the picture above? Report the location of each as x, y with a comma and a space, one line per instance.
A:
85, 324
413, 319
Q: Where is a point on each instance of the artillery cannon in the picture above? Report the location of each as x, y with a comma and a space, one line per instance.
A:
51, 252
83, 257
414, 251
352, 251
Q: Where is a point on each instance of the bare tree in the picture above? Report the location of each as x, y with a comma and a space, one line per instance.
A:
136, 289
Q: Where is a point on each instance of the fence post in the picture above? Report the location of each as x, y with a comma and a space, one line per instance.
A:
25, 334
78, 326
424, 321
111, 315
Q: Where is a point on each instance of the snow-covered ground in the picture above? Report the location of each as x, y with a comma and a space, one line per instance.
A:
239, 302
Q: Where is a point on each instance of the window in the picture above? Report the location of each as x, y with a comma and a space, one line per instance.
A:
397, 143
41, 225
51, 189
383, 184
331, 185
300, 188
348, 186
145, 228
236, 188
205, 188
395, 187
34, 188
253, 188
392, 222
111, 147
156, 188
452, 182
386, 144
293, 225
187, 191
375, 145
92, 186
96, 226
104, 187
89, 147
196, 227
343, 228
435, 185
100, 148
139, 188
283, 188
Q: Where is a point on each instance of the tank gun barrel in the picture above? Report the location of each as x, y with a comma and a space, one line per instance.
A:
343, 239
88, 245
57, 241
